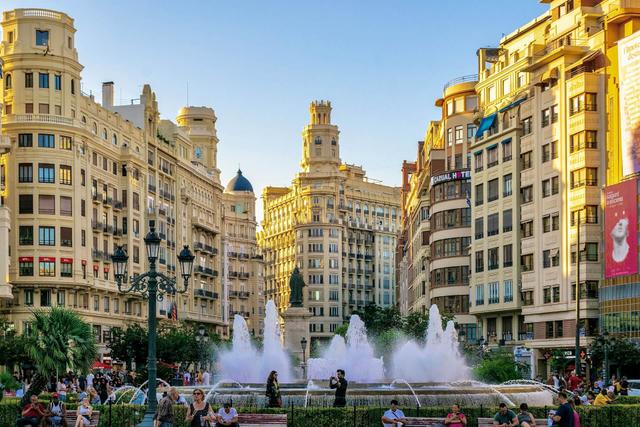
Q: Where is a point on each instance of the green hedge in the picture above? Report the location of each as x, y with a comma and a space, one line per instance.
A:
628, 400
129, 415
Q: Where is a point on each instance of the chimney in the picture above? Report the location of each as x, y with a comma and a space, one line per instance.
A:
107, 94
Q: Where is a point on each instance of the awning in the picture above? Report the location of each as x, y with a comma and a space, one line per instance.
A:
513, 104
492, 146
506, 141
486, 124
25, 259
478, 152
46, 259
66, 260
552, 74
100, 365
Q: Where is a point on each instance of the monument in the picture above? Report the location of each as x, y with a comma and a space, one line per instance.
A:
296, 321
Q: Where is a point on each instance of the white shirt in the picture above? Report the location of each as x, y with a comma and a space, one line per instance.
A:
90, 380
206, 378
227, 416
392, 415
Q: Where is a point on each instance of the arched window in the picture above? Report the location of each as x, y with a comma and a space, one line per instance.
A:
333, 141
84, 119
7, 81
318, 141
114, 139
73, 86
95, 128
104, 134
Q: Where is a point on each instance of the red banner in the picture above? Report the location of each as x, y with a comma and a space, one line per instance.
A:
25, 259
66, 260
621, 229
47, 259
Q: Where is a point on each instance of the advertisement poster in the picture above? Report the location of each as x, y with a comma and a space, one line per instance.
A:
621, 229
629, 68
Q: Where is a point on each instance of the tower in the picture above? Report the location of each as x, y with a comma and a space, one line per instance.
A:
200, 124
321, 148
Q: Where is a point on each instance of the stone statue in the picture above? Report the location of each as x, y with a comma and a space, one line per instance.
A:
296, 283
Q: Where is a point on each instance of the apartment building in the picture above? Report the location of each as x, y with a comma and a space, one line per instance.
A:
84, 177
337, 226
537, 168
5, 217
436, 211
244, 269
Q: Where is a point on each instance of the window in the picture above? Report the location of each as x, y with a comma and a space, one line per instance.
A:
46, 204
45, 297
493, 260
546, 117
450, 136
506, 186
588, 289
589, 252
46, 140
66, 206
479, 227
506, 86
25, 140
25, 172
28, 108
549, 151
66, 270
584, 176
554, 113
506, 150
478, 161
28, 80
65, 142
588, 215
550, 186
25, 204
507, 220
581, 140
73, 87
526, 228
492, 190
46, 173
26, 235
507, 255
493, 224
550, 258
42, 38
66, 236
526, 194
43, 108
525, 160
491, 93
492, 156
471, 130
583, 102
57, 82
459, 134
47, 267
479, 194
479, 261
479, 294
527, 126
526, 262
65, 175
47, 236
26, 269
43, 79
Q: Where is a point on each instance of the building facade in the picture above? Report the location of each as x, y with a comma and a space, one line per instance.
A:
5, 214
336, 225
84, 177
244, 269
436, 212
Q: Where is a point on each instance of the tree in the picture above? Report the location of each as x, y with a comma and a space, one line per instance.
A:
497, 367
129, 345
61, 341
623, 353
12, 346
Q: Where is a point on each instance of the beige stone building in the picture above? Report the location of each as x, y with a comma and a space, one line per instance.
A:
436, 211
336, 225
83, 177
5, 214
244, 268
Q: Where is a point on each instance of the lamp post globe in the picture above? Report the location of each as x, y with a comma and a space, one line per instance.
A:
185, 258
119, 259
152, 242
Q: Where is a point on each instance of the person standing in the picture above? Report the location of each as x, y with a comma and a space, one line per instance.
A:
273, 391
164, 412
90, 378
199, 412
393, 417
206, 377
455, 418
32, 413
574, 382
340, 384
564, 414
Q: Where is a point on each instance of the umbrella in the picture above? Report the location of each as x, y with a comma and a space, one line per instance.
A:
100, 365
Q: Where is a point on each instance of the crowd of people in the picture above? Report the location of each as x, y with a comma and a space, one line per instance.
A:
585, 392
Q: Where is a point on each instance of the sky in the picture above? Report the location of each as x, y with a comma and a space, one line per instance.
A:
259, 64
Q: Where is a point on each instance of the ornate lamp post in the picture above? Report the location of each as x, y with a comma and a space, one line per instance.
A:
202, 338
153, 286
303, 344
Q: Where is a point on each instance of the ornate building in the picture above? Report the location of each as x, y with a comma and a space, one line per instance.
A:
336, 225
84, 177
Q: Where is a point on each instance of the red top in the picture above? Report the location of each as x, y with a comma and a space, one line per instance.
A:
33, 412
456, 424
574, 382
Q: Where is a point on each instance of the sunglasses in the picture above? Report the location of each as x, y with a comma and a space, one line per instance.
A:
197, 392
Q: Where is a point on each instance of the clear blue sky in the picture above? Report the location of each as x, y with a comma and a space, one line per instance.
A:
259, 64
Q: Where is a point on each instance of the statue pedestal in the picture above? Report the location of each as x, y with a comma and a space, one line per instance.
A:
296, 326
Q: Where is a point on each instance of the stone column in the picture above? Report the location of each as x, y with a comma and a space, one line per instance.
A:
5, 226
296, 326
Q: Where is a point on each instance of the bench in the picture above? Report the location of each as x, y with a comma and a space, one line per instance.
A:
485, 422
424, 421
262, 420
71, 416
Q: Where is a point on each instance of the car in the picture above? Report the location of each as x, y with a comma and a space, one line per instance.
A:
634, 387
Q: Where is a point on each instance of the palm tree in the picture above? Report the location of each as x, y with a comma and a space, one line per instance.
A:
61, 341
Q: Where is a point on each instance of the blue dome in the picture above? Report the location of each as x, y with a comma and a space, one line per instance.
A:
239, 183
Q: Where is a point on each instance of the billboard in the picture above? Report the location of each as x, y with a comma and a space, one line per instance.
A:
621, 229
629, 82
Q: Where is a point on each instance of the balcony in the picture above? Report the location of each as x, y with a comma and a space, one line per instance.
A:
151, 188
525, 336
233, 274
5, 143
243, 294
561, 47
458, 80
243, 276
204, 224
97, 255
118, 205
96, 197
39, 118
107, 228
203, 293
97, 226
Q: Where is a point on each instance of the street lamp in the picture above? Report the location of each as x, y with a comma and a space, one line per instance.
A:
152, 285
202, 338
303, 344
605, 334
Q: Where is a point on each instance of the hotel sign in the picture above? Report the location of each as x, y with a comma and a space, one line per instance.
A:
451, 176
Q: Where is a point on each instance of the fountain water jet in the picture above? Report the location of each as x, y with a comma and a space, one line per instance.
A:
355, 356
246, 364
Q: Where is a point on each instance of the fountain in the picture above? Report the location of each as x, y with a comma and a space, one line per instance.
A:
355, 356
438, 360
244, 363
